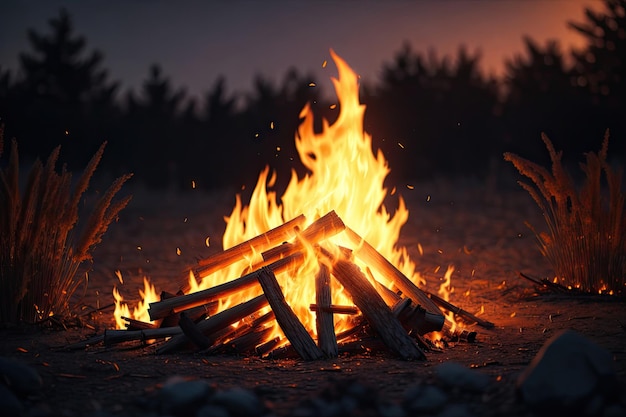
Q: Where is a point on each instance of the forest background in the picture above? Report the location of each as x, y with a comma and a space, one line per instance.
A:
431, 116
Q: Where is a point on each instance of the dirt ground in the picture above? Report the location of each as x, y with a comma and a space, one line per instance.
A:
478, 228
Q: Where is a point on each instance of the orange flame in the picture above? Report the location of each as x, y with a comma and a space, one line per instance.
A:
140, 311
445, 289
346, 176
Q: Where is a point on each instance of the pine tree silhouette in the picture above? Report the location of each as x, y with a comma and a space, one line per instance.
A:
61, 95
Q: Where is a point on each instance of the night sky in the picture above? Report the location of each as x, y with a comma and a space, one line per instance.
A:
196, 41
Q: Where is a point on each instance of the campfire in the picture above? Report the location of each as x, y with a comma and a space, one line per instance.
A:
311, 273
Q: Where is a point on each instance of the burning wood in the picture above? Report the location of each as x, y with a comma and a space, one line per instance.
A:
433, 318
219, 321
174, 305
383, 317
324, 227
257, 244
295, 332
375, 310
334, 309
133, 324
460, 312
243, 344
112, 337
237, 338
324, 321
193, 333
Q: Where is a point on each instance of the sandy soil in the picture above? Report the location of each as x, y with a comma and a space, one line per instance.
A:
479, 230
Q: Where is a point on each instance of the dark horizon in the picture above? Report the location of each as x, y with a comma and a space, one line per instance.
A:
198, 43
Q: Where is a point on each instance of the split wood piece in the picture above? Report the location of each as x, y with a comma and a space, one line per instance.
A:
283, 352
462, 336
335, 309
546, 283
217, 322
460, 312
240, 330
293, 329
171, 320
375, 311
411, 316
174, 305
132, 324
390, 297
112, 337
368, 344
245, 343
324, 320
192, 332
433, 319
255, 245
195, 314
402, 308
357, 330
265, 348
326, 226
83, 344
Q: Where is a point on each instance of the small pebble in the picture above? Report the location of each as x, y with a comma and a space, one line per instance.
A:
424, 399
10, 405
182, 398
20, 378
455, 375
456, 410
239, 402
212, 411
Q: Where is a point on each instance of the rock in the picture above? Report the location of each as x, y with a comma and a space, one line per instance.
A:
347, 398
391, 410
456, 410
614, 410
239, 402
424, 399
212, 411
569, 374
20, 378
182, 398
10, 405
455, 375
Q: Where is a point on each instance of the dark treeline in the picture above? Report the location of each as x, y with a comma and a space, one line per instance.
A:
431, 116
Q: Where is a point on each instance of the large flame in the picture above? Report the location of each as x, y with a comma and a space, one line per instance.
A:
346, 176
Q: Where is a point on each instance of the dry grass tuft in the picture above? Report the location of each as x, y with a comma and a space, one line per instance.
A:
41, 248
586, 238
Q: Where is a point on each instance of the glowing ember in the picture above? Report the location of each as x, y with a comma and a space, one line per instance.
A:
346, 176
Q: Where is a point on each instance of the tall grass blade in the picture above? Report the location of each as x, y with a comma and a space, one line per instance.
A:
585, 240
40, 256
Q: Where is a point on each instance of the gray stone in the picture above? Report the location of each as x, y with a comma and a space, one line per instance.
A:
212, 411
455, 375
10, 405
614, 410
424, 399
239, 402
183, 398
21, 378
570, 373
391, 410
456, 410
